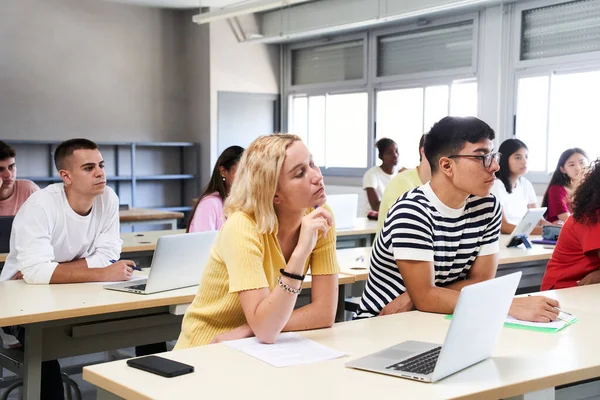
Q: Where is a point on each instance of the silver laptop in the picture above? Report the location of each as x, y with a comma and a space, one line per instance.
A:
345, 209
178, 262
474, 331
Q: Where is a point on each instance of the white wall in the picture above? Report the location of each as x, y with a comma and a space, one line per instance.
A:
90, 68
238, 67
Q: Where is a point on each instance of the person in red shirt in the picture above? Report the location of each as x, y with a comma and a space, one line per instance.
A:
571, 167
576, 258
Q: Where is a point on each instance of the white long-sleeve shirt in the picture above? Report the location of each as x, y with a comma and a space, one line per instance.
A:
46, 231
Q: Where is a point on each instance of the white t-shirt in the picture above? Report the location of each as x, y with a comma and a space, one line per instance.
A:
514, 205
46, 231
377, 179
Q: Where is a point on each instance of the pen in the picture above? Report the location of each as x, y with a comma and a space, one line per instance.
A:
563, 311
135, 267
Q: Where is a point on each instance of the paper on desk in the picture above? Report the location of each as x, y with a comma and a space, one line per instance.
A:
133, 279
554, 326
289, 349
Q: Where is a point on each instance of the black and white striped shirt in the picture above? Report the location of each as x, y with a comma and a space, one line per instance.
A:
420, 227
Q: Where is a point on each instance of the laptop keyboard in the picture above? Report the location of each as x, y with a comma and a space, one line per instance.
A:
423, 363
141, 287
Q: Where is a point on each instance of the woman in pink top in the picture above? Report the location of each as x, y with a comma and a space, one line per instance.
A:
208, 213
569, 172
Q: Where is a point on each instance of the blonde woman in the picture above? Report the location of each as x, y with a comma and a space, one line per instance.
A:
276, 226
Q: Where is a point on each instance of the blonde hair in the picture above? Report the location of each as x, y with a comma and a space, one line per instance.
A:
256, 180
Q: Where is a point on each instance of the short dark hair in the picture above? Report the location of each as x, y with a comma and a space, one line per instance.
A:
66, 149
382, 144
449, 135
421, 144
507, 149
6, 151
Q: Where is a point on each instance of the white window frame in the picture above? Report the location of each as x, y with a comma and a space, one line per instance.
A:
516, 39
294, 89
370, 82
467, 71
573, 63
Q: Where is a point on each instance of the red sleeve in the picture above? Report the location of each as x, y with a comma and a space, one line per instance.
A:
557, 200
590, 237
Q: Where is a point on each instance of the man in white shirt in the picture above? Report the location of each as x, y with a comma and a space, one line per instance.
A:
67, 233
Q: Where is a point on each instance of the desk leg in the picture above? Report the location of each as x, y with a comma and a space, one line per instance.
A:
32, 376
339, 314
102, 394
173, 223
544, 394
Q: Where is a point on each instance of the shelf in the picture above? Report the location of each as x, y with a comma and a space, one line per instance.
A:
58, 179
41, 178
180, 209
165, 144
165, 177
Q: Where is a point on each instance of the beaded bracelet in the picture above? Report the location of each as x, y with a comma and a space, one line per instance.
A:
288, 288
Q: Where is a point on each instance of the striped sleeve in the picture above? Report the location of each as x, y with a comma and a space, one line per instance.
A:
490, 241
411, 232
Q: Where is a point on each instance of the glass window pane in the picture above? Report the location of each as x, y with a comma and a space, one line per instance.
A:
463, 99
400, 117
573, 115
436, 105
346, 127
316, 128
299, 117
532, 118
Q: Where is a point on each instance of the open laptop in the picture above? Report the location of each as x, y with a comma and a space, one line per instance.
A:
529, 221
474, 331
345, 209
178, 262
5, 228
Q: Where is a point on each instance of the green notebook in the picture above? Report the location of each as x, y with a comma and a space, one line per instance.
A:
546, 327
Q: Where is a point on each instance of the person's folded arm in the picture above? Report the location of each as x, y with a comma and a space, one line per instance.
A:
320, 313
108, 244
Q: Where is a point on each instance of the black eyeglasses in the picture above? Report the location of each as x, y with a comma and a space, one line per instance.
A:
486, 159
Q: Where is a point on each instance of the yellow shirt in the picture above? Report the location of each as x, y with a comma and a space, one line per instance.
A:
242, 259
400, 184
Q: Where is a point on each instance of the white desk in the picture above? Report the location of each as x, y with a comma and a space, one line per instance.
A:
523, 362
362, 233
67, 320
531, 261
133, 216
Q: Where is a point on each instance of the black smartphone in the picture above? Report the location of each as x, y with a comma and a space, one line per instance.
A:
160, 366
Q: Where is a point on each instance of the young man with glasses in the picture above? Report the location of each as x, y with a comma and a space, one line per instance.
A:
443, 235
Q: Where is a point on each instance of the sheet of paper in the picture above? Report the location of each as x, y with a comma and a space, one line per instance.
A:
289, 349
132, 280
565, 319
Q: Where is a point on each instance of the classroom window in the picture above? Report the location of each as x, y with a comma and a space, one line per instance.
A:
405, 114
337, 62
334, 126
409, 52
560, 30
555, 112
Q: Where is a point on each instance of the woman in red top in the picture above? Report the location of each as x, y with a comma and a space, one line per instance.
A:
565, 180
576, 258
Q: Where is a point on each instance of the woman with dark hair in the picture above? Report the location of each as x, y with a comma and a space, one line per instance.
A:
208, 212
377, 178
576, 258
514, 192
564, 182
